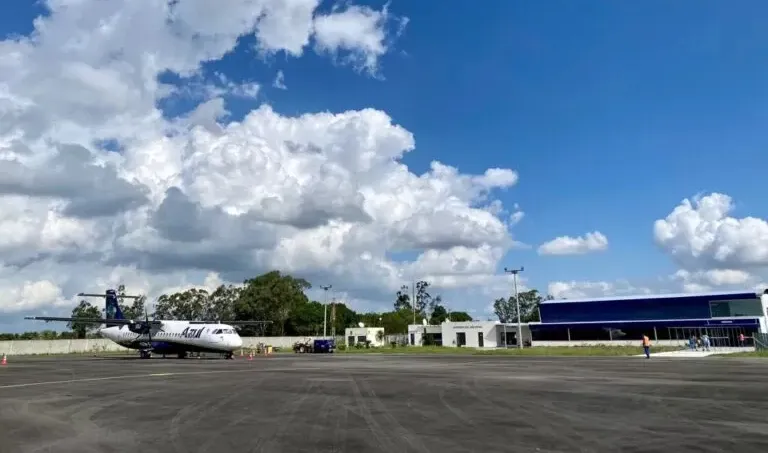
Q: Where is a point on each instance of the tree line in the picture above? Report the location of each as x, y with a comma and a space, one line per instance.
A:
281, 299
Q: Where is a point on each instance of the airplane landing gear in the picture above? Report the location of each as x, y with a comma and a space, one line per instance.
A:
230, 356
182, 355
146, 354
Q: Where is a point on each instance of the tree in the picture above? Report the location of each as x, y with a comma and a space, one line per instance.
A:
84, 310
135, 310
423, 298
191, 304
271, 297
221, 302
423, 301
460, 316
506, 309
403, 299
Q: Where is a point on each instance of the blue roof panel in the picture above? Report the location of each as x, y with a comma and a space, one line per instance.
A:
709, 296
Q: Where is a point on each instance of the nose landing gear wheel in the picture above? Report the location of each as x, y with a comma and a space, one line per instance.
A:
230, 356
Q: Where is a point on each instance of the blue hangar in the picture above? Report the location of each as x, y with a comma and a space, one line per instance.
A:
661, 317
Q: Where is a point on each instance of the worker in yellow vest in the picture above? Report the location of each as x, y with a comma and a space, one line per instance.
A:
647, 346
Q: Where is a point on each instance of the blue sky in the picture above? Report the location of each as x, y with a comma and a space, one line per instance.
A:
612, 113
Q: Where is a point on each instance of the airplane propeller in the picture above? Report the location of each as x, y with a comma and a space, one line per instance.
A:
149, 327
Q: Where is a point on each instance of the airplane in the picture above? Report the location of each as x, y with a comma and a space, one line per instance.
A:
165, 337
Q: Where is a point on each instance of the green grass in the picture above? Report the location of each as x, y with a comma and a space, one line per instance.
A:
584, 351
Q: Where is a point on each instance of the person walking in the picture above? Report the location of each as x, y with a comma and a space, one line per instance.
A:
705, 340
647, 346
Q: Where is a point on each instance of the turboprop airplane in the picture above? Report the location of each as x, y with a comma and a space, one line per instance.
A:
161, 336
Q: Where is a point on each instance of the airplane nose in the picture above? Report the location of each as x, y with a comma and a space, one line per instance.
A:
236, 342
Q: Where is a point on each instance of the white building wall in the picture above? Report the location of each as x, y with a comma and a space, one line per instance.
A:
416, 333
369, 333
764, 318
471, 331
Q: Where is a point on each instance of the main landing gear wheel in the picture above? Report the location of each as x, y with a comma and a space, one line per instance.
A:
146, 354
230, 356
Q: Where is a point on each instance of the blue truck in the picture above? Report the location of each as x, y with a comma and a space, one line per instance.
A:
320, 345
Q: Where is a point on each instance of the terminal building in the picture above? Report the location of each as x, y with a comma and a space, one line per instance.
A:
661, 317
667, 317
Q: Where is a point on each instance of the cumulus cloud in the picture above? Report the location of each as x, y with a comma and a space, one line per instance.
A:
567, 245
204, 198
699, 233
587, 289
716, 252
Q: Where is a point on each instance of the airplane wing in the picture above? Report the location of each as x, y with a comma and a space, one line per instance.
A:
89, 320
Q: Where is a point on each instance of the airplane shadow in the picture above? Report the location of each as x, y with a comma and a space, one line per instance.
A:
32, 359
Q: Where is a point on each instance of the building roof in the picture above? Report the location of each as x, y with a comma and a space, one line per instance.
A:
739, 294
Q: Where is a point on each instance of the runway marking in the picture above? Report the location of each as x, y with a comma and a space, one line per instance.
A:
128, 376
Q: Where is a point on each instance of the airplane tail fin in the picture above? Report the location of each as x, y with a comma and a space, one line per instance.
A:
113, 307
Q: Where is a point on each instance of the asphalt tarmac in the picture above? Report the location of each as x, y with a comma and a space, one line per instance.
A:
381, 403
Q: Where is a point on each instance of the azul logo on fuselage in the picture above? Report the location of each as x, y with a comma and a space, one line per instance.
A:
192, 333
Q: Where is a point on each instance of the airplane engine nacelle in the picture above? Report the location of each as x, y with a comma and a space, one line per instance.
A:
138, 327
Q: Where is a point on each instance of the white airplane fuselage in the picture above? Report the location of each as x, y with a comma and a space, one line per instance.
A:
177, 337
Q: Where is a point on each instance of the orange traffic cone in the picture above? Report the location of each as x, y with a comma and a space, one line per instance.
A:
5, 361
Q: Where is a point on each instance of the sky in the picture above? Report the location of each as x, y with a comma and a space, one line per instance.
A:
609, 149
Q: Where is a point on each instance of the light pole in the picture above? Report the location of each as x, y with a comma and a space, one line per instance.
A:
514, 273
325, 308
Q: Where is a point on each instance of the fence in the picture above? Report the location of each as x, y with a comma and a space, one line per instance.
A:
719, 337
761, 341
100, 345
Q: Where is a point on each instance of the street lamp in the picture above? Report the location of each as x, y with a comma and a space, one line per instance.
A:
514, 273
325, 308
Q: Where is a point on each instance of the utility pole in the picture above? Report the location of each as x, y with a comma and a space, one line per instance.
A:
413, 300
325, 308
514, 273
333, 317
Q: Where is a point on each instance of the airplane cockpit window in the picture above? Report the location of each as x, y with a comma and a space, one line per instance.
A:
218, 331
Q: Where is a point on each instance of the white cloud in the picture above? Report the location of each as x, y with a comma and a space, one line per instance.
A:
717, 253
586, 289
699, 234
201, 199
358, 30
567, 245
279, 82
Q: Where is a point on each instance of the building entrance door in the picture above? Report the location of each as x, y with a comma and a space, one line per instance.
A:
461, 339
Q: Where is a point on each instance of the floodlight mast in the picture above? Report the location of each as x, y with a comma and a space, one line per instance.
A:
325, 308
514, 273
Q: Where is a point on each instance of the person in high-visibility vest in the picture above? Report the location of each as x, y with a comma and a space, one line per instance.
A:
647, 346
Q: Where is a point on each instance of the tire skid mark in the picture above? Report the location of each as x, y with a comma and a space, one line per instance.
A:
342, 420
200, 410
565, 432
383, 437
284, 420
399, 430
212, 440
324, 413
461, 415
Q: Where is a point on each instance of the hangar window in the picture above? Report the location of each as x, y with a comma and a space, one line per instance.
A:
733, 308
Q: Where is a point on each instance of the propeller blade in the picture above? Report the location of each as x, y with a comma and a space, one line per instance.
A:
149, 327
